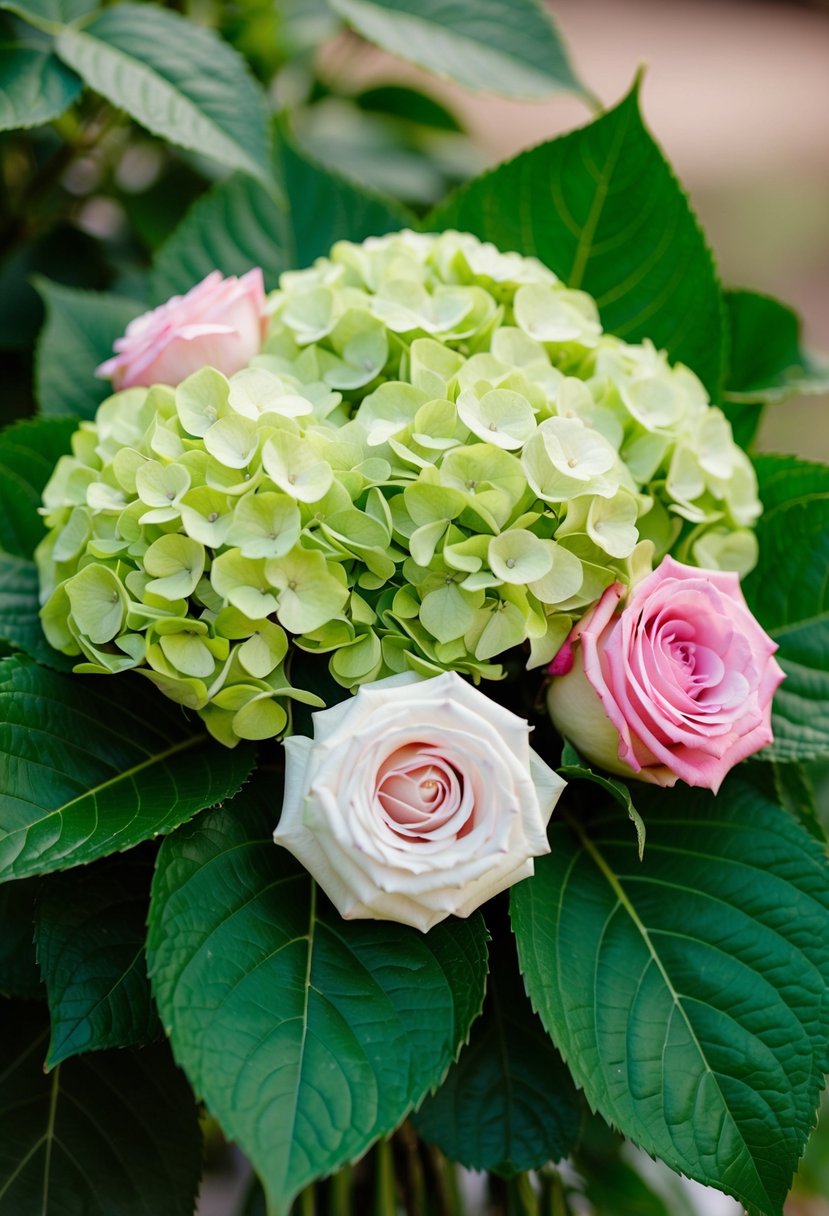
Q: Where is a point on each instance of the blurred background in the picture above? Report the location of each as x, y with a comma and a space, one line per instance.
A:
737, 94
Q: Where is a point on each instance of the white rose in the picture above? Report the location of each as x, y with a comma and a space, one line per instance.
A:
415, 800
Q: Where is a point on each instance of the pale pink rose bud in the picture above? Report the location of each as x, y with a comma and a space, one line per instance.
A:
416, 800
677, 685
219, 323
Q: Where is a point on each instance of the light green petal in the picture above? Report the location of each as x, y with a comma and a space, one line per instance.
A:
310, 314
206, 516
54, 619
201, 399
519, 557
611, 524
447, 612
98, 603
564, 580
176, 563
232, 441
159, 485
424, 541
657, 403
265, 524
294, 466
261, 718
505, 628
428, 503
189, 654
310, 594
264, 650
73, 536
189, 692
556, 314
242, 582
722, 549
501, 417
255, 391
433, 366
358, 662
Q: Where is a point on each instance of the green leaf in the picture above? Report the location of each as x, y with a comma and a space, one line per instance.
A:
324, 207
35, 87
80, 329
613, 1184
308, 1036
789, 593
97, 769
795, 790
45, 14
573, 768
28, 453
177, 78
687, 992
18, 965
411, 105
102, 1134
767, 363
239, 224
511, 47
91, 926
19, 620
509, 1104
603, 209
235, 226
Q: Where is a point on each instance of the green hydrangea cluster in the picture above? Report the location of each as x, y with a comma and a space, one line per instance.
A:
438, 456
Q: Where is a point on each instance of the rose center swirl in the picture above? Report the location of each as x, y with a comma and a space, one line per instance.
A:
419, 792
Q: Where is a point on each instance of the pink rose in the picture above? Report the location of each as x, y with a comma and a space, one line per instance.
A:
678, 685
219, 323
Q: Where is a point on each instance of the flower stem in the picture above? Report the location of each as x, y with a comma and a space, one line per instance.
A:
385, 1195
339, 1194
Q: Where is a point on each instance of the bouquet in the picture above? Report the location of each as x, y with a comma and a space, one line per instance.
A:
466, 664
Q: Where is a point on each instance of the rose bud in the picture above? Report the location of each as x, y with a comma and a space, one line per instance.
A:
219, 323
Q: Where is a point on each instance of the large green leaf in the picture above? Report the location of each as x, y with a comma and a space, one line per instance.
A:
789, 593
78, 335
308, 1036
114, 1133
603, 209
235, 226
688, 992
240, 224
509, 1104
324, 207
506, 46
18, 965
766, 360
90, 932
95, 765
177, 78
612, 1183
46, 14
35, 86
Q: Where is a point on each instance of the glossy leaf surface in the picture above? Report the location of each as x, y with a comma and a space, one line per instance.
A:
687, 992
307, 1035
97, 768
